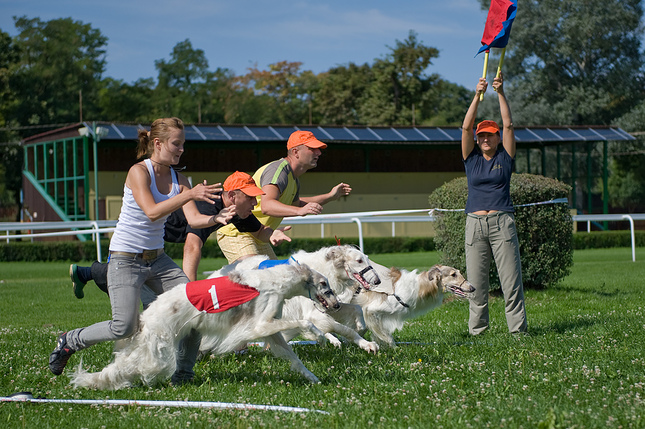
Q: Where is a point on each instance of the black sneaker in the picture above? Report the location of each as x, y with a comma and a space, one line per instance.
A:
77, 283
59, 357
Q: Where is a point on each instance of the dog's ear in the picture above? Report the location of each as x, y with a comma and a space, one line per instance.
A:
429, 283
395, 274
336, 254
434, 275
305, 272
235, 277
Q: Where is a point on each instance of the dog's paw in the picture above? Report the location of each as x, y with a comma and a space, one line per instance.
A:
369, 346
333, 340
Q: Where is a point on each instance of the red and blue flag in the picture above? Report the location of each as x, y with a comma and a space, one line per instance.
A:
498, 24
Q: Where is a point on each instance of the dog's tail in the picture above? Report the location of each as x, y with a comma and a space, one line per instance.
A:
145, 357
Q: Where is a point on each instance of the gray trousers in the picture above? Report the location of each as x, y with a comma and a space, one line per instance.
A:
126, 277
494, 235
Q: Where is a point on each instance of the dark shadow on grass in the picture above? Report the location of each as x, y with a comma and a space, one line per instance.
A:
595, 291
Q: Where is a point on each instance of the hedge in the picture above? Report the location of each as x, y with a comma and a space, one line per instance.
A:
86, 251
544, 231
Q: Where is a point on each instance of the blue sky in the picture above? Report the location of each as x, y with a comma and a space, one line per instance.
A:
238, 34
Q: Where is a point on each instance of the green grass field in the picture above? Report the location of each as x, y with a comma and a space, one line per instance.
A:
582, 366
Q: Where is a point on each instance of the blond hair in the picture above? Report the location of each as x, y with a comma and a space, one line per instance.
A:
160, 129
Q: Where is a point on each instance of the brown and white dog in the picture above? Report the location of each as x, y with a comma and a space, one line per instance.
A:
403, 295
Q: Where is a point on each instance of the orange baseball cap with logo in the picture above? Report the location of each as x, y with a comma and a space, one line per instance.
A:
487, 127
243, 182
306, 138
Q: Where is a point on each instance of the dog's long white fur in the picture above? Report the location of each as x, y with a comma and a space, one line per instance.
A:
149, 355
341, 265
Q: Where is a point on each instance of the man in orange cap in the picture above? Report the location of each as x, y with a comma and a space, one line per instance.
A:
281, 187
234, 207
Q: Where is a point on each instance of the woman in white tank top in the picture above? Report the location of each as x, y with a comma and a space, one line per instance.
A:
151, 193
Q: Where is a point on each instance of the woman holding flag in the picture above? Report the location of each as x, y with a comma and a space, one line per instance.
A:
490, 223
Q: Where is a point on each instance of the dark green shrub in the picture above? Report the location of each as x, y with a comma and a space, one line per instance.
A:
77, 251
606, 239
544, 231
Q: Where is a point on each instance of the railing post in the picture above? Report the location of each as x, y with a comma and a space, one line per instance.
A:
631, 227
97, 237
360, 232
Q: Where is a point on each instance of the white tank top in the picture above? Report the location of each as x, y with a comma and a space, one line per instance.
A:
135, 232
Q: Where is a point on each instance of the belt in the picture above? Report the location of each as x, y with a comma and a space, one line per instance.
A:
146, 254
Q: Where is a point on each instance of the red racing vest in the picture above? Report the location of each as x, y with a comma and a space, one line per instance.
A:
218, 294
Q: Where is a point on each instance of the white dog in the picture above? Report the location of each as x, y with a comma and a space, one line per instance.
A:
149, 355
406, 294
347, 270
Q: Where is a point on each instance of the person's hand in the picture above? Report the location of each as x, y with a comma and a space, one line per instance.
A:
279, 236
482, 85
225, 215
498, 83
206, 192
340, 190
310, 208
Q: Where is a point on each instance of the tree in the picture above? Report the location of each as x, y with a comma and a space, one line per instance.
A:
400, 85
120, 101
179, 90
288, 87
338, 98
574, 62
57, 59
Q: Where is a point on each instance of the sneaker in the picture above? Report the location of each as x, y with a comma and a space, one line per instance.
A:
77, 283
59, 357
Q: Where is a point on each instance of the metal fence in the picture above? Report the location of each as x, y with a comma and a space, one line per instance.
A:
95, 228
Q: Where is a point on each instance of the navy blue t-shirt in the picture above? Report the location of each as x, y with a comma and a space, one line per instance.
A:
489, 182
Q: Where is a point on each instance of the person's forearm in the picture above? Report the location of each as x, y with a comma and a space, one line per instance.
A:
505, 110
471, 114
277, 209
321, 199
264, 234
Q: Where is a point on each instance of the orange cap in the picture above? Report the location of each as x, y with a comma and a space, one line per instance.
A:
487, 127
306, 138
243, 182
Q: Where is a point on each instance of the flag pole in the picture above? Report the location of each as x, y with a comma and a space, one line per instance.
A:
501, 61
481, 96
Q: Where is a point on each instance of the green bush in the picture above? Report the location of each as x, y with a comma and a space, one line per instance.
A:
606, 239
86, 251
544, 231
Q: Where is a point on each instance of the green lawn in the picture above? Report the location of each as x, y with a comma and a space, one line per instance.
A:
582, 365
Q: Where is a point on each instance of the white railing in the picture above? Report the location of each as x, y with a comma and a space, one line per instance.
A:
95, 228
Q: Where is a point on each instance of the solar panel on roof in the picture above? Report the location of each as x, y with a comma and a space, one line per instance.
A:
412, 134
285, 132
545, 134
339, 133
130, 132
264, 133
525, 136
212, 133
589, 134
437, 135
609, 134
388, 135
566, 134
363, 134
191, 134
237, 133
316, 131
